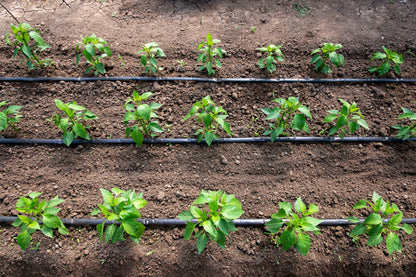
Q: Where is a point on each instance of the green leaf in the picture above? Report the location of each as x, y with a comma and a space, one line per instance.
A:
303, 243
27, 51
231, 212
108, 196
109, 232
189, 230
209, 137
196, 212
407, 228
23, 239
224, 227
274, 225
144, 111
47, 231
374, 240
68, 138
300, 207
396, 219
287, 239
358, 230
353, 219
3, 121
202, 242
385, 67
51, 221
393, 243
209, 227
186, 215
80, 131
100, 230
373, 219
137, 137
132, 227
298, 122
54, 202
100, 68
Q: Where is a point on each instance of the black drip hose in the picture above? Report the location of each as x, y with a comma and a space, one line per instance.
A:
210, 80
162, 222
194, 140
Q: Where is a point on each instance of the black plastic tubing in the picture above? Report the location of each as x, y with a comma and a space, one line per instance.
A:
194, 140
169, 222
210, 80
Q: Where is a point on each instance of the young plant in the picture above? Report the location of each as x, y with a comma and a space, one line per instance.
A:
215, 218
328, 51
122, 207
274, 54
406, 131
9, 116
37, 215
141, 116
297, 224
208, 54
389, 59
290, 108
149, 53
23, 35
72, 124
95, 49
349, 117
212, 117
376, 225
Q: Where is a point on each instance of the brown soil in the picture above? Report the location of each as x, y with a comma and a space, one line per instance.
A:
333, 176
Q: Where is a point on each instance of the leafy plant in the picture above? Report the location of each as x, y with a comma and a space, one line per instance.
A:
212, 117
142, 116
328, 50
216, 220
95, 49
253, 29
290, 108
376, 225
303, 9
274, 54
37, 215
23, 35
389, 59
122, 207
349, 116
406, 131
209, 53
72, 124
297, 224
9, 116
149, 53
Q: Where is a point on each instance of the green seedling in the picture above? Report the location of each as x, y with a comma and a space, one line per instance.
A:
208, 55
274, 54
149, 53
122, 207
253, 29
37, 215
328, 50
9, 116
212, 117
181, 62
72, 124
297, 224
406, 131
377, 225
290, 110
303, 9
141, 116
23, 35
389, 59
349, 118
95, 49
215, 221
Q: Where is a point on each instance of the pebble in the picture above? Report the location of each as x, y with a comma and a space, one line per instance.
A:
223, 160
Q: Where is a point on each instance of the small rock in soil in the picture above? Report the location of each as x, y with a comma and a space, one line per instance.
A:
224, 160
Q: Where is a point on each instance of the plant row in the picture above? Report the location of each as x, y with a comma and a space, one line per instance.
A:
140, 123
29, 42
210, 218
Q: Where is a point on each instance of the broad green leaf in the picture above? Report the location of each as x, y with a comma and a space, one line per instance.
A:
274, 225
358, 230
47, 231
137, 137
374, 240
51, 221
23, 239
129, 212
108, 196
27, 51
373, 219
300, 207
209, 227
329, 118
224, 227
68, 138
189, 230
100, 68
100, 230
407, 228
303, 243
385, 67
231, 212
144, 111
3, 121
360, 204
153, 126
196, 212
109, 232
353, 219
54, 202
287, 239
202, 242
396, 219
298, 122
209, 137
393, 243
132, 227
80, 131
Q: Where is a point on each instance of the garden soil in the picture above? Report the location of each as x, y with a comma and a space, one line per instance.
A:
333, 176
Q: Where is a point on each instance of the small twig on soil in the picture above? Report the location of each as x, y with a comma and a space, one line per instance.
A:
10, 13
63, 1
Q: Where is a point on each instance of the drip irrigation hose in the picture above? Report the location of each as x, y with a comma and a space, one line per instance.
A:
168, 222
209, 80
194, 140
